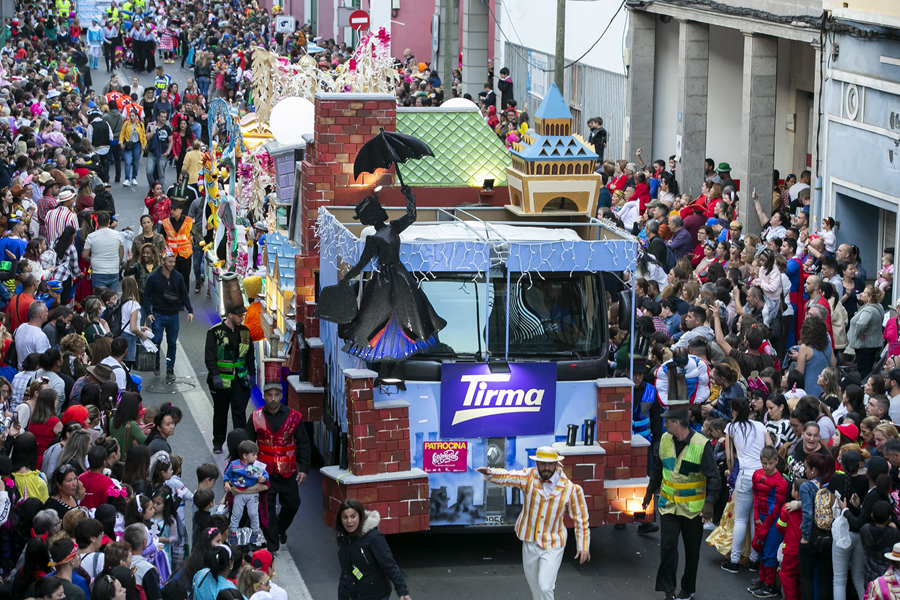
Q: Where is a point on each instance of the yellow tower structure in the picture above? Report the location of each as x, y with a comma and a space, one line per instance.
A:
552, 171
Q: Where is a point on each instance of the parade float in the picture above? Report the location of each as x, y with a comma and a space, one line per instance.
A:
428, 329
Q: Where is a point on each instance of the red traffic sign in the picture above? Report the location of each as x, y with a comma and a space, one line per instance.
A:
359, 20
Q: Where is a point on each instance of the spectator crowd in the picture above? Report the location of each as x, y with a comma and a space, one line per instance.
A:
782, 351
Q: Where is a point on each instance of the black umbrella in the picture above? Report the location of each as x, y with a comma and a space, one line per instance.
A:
386, 149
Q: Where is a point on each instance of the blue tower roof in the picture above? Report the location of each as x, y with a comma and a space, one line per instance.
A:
555, 148
553, 106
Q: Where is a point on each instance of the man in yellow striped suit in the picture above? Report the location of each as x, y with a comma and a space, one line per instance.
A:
548, 494
688, 482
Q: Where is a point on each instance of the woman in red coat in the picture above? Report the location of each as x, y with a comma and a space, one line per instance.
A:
44, 424
158, 204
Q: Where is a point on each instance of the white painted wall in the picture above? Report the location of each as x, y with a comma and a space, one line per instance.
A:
380, 16
665, 92
532, 24
723, 121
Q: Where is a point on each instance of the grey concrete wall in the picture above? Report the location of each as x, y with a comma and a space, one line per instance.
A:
757, 125
639, 89
474, 46
693, 92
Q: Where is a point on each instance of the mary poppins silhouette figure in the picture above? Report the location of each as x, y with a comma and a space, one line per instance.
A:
395, 319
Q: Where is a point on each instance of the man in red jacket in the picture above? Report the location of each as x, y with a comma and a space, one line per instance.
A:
285, 449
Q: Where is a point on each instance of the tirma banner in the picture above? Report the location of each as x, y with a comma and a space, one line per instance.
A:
476, 403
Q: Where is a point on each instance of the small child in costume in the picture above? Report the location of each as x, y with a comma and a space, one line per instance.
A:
789, 527
769, 495
242, 474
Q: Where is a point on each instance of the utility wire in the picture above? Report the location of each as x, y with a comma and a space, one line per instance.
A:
531, 64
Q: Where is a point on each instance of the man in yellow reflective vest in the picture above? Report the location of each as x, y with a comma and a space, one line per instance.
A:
231, 364
112, 13
177, 231
688, 482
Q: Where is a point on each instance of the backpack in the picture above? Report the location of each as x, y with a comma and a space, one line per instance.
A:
113, 317
130, 385
823, 509
670, 261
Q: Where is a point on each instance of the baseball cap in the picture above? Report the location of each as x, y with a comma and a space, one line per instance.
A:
272, 385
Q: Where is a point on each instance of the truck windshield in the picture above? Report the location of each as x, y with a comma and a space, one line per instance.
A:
461, 302
553, 316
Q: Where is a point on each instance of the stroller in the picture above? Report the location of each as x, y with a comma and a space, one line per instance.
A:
128, 57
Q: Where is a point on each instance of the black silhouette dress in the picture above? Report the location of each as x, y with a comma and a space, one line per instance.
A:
395, 319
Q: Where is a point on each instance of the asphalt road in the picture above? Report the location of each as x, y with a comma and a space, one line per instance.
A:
438, 565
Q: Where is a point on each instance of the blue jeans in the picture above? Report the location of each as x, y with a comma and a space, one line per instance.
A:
132, 345
743, 509
203, 86
170, 325
132, 157
156, 169
107, 280
197, 257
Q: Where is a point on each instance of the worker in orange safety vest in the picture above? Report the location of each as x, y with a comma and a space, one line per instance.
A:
177, 231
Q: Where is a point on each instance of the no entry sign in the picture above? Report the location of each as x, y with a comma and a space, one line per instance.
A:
359, 20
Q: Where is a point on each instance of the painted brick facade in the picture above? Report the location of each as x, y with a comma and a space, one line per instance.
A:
403, 504
344, 122
378, 445
614, 483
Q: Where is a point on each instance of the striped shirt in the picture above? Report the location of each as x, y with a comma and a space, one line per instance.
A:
541, 519
56, 221
44, 205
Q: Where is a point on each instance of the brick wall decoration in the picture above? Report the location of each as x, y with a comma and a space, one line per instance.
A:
305, 267
344, 122
401, 499
380, 473
315, 366
305, 398
612, 472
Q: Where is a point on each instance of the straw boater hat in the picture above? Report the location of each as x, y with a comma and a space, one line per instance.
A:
546, 454
895, 554
67, 194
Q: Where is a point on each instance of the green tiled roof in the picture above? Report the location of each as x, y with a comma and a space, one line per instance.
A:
466, 151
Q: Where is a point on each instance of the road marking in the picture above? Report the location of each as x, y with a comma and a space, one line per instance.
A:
198, 402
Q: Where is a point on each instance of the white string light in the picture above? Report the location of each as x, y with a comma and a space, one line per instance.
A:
425, 259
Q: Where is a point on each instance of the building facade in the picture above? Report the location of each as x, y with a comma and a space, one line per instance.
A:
861, 129
737, 85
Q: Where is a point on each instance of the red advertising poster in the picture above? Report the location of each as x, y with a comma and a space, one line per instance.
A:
444, 457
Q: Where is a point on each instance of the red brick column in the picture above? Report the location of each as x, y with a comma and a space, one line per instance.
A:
305, 267
305, 398
344, 122
361, 417
614, 426
585, 466
380, 474
625, 472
